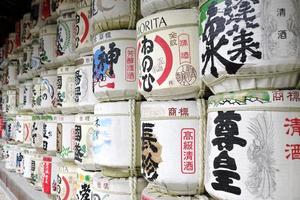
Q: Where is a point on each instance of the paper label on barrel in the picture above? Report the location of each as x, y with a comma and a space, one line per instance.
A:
66, 186
36, 95
83, 143
27, 132
65, 37
37, 134
114, 66
81, 85
83, 37
252, 154
166, 53
47, 177
49, 90
68, 141
65, 90
50, 136
26, 27
20, 163
235, 35
46, 54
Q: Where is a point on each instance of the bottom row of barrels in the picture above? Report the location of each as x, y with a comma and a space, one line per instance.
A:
245, 145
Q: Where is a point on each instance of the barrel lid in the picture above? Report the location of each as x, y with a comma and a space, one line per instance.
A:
49, 73
112, 108
66, 119
114, 35
116, 185
256, 100
86, 59
170, 109
67, 69
84, 118
167, 19
48, 29
150, 193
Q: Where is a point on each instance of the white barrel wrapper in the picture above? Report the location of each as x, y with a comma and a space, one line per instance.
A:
12, 73
10, 128
11, 102
50, 134
84, 182
252, 145
83, 40
111, 15
84, 95
28, 155
36, 95
66, 89
47, 50
10, 160
37, 131
65, 36
26, 27
27, 96
84, 131
20, 160
49, 91
174, 166
66, 181
35, 57
151, 6
117, 188
168, 57
11, 43
249, 44
37, 170
149, 193
23, 128
20, 88
67, 126
115, 65
116, 133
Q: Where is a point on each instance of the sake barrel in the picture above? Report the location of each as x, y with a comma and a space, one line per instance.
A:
168, 55
83, 32
35, 57
176, 166
27, 124
50, 134
10, 128
49, 91
37, 171
45, 8
50, 171
251, 144
66, 89
20, 160
149, 193
11, 43
117, 188
10, 161
26, 64
26, 27
37, 131
84, 130
115, 65
36, 14
20, 89
65, 37
152, 6
12, 73
66, 181
47, 50
67, 126
54, 5
84, 183
36, 94
4, 99
28, 155
84, 96
258, 53
117, 133
11, 102
23, 128
108, 15
27, 96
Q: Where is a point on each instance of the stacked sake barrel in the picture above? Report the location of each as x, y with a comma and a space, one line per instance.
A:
251, 64
173, 117
115, 144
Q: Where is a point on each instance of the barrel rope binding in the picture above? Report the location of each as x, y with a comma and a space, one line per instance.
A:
132, 14
132, 129
202, 130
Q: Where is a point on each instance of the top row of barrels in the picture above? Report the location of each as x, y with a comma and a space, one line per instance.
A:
229, 45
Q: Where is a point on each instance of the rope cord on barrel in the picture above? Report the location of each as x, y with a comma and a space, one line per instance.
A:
133, 13
202, 130
132, 129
